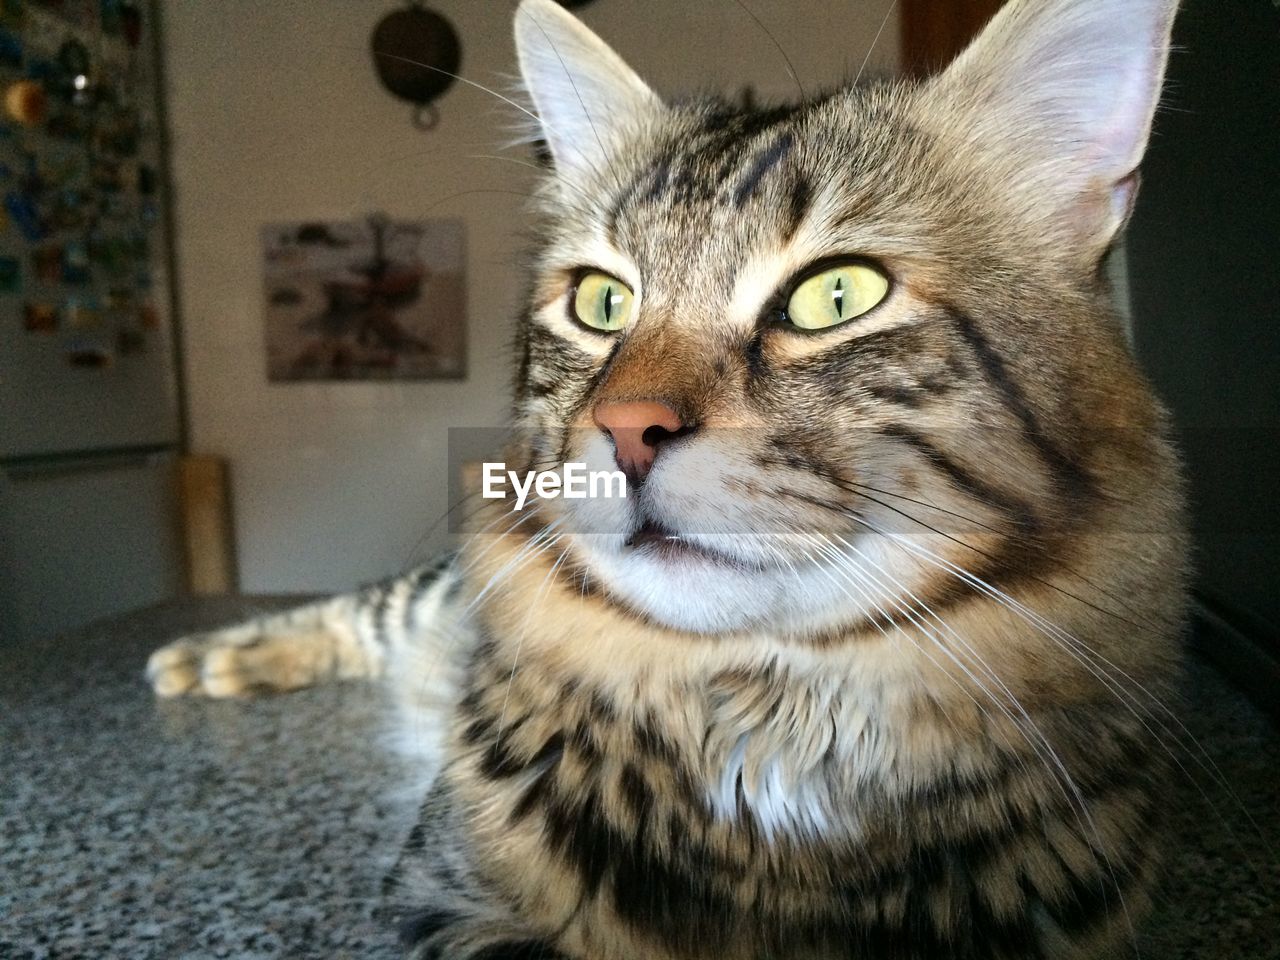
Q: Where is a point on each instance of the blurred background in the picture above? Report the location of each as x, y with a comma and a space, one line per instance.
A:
149, 450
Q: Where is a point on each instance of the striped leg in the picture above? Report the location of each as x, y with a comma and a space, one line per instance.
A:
346, 637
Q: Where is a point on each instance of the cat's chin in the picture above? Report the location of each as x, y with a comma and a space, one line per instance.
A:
708, 584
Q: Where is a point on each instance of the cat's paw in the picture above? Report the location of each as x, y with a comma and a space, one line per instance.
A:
234, 663
203, 664
174, 669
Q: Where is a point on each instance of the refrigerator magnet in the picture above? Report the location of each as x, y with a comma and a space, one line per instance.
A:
121, 136
75, 263
111, 254
81, 314
39, 317
10, 274
89, 354
73, 57
149, 316
24, 213
46, 262
25, 102
13, 13
115, 206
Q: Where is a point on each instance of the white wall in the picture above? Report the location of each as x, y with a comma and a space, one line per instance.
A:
276, 115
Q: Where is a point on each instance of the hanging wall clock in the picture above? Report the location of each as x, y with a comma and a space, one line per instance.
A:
416, 54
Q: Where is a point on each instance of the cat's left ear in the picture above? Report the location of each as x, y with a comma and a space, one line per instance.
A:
1059, 96
583, 92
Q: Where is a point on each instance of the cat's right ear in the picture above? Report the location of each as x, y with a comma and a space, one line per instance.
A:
1059, 96
583, 92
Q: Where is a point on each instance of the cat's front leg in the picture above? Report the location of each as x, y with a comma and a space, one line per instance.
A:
270, 654
343, 638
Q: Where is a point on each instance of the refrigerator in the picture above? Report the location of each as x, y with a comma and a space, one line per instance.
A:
89, 414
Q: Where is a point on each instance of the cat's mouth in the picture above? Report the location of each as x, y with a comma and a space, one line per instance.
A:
654, 536
657, 540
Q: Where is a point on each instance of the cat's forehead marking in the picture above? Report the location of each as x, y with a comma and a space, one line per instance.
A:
711, 191
716, 162
764, 161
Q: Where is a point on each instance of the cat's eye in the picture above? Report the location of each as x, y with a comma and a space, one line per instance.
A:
602, 302
836, 295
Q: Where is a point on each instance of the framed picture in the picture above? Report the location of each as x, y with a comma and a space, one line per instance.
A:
372, 299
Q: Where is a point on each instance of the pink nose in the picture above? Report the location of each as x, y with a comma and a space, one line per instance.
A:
637, 428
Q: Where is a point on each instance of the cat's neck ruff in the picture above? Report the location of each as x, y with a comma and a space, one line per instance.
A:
798, 735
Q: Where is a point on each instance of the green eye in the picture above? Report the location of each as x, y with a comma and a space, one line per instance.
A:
602, 302
836, 295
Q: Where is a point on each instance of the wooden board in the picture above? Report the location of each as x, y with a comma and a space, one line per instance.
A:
206, 524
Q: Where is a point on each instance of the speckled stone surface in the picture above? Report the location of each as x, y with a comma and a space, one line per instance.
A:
136, 828
190, 828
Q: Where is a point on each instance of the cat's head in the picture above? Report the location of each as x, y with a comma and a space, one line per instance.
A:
844, 344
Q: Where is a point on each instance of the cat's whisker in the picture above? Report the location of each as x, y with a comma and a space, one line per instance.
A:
855, 579
864, 596
524, 630
912, 614
532, 509
986, 554
791, 69
991, 529
533, 548
446, 648
516, 161
857, 486
514, 563
469, 82
1042, 624
1038, 743
1009, 706
1089, 659
875, 40
1072, 792
518, 518
1079, 651
465, 498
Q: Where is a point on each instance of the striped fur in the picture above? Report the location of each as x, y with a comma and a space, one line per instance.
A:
900, 691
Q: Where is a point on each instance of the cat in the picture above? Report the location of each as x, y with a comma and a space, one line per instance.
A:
871, 662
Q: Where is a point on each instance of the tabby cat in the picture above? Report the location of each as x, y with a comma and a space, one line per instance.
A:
870, 663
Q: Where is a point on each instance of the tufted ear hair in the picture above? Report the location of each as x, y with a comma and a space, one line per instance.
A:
583, 92
1060, 95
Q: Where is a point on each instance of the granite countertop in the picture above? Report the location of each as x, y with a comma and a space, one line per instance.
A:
131, 827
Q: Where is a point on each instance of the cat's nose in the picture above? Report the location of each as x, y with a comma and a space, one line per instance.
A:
638, 429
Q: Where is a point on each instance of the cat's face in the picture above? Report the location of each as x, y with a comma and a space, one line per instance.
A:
834, 345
